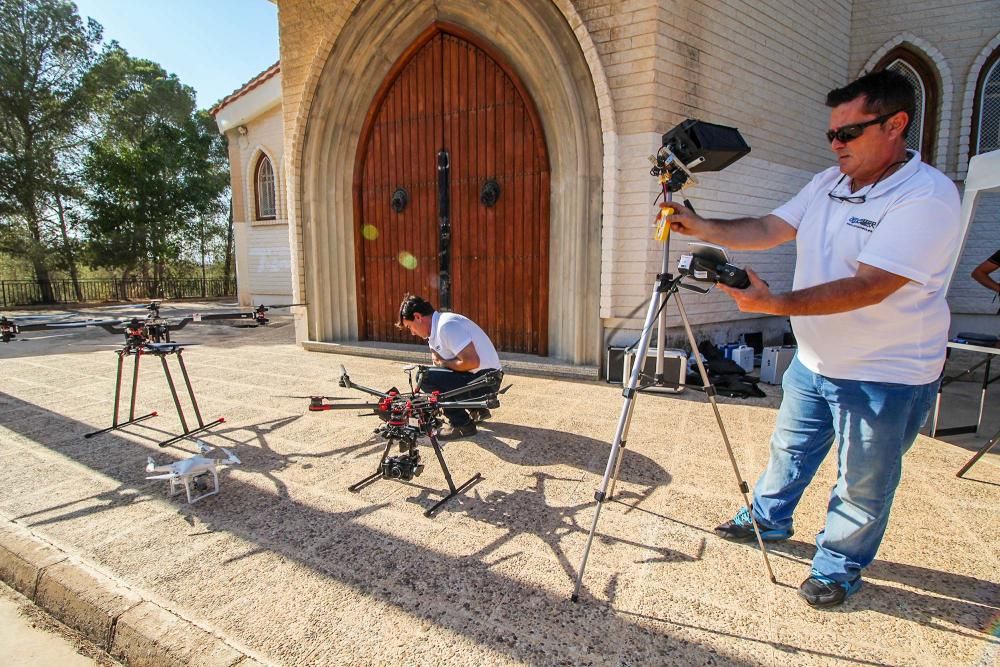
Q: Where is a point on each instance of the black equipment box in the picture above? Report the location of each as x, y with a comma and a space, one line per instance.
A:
619, 368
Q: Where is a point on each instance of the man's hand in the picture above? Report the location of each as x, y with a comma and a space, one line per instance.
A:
684, 221
754, 299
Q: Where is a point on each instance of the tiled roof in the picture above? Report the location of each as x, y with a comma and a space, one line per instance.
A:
247, 87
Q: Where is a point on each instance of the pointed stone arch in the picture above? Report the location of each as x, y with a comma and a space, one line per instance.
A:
537, 40
969, 103
936, 60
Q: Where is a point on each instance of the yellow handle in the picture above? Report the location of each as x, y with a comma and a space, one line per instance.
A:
662, 226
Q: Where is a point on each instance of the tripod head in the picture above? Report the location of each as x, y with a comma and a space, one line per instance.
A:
696, 146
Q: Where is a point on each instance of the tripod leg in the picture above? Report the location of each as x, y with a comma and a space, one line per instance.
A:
710, 392
621, 433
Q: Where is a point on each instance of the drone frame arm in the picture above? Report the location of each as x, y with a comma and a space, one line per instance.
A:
485, 381
345, 381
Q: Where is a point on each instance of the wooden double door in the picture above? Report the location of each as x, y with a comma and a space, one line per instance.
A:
452, 196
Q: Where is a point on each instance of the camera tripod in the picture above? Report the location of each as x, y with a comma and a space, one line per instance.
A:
161, 350
666, 286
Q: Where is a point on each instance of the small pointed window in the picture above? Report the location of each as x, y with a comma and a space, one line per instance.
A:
265, 189
986, 120
921, 75
914, 138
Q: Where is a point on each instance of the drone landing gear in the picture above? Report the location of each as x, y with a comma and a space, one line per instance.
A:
410, 468
132, 419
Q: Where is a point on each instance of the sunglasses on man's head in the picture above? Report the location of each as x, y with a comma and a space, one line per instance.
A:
852, 132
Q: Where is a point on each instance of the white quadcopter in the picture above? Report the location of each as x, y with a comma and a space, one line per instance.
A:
188, 472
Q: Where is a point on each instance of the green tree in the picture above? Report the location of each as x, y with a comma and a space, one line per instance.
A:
156, 168
45, 55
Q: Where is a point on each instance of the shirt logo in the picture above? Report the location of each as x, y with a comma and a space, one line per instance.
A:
862, 223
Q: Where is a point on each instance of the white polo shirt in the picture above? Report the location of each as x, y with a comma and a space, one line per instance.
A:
451, 333
909, 225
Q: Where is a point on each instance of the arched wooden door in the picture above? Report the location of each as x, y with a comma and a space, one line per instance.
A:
451, 196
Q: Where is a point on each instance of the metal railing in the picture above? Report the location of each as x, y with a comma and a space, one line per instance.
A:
35, 292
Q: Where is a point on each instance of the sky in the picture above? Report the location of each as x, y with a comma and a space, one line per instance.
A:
214, 46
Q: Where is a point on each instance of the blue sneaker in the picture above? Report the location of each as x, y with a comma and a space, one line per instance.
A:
740, 529
821, 591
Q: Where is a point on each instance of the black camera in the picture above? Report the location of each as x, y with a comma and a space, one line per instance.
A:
403, 467
709, 263
695, 146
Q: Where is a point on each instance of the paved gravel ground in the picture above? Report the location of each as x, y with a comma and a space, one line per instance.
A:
291, 568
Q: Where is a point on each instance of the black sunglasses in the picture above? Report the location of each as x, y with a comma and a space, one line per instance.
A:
852, 132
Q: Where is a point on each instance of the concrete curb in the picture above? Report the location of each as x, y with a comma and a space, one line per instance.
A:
119, 620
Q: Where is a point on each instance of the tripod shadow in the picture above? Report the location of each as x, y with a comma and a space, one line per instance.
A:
528, 511
538, 447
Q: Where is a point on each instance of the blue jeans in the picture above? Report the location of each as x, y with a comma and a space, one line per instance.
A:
873, 424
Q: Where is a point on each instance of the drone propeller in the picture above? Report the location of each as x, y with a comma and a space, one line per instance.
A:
282, 305
167, 347
325, 398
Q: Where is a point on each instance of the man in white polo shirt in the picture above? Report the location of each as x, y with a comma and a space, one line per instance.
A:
461, 352
874, 236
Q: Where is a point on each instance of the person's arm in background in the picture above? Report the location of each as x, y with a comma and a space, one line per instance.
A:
981, 274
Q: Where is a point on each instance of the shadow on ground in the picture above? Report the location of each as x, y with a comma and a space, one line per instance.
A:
465, 595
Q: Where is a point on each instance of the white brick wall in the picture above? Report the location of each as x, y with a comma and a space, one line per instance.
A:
955, 39
263, 265
764, 67
956, 31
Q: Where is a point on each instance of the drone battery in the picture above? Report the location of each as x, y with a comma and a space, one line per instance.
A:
774, 362
674, 370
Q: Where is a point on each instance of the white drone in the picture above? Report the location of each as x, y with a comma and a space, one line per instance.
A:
187, 471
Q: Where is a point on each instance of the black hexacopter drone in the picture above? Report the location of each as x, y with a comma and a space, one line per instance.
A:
410, 416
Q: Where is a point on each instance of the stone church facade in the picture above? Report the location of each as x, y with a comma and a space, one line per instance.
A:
546, 112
